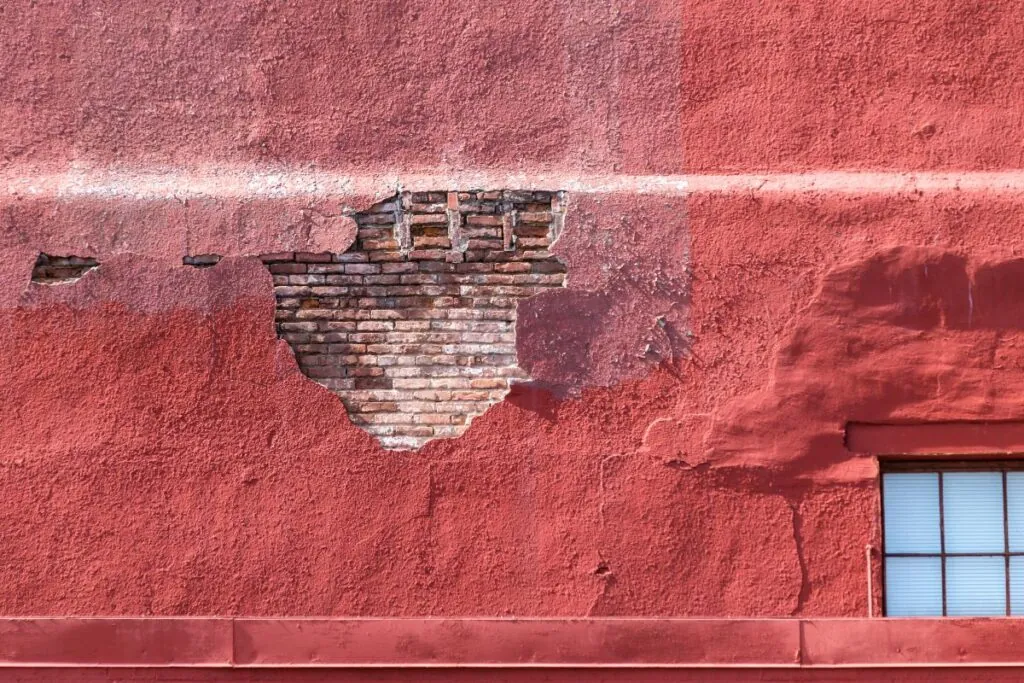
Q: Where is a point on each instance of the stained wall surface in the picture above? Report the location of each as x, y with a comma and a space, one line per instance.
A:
678, 448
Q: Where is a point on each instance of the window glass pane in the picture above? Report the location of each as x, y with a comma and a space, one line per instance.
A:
1017, 586
911, 508
975, 586
973, 512
1015, 509
913, 586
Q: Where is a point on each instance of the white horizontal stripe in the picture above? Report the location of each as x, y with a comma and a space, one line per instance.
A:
240, 183
859, 182
150, 184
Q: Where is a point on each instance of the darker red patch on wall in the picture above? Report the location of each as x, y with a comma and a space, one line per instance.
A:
996, 299
908, 288
859, 84
250, 492
161, 389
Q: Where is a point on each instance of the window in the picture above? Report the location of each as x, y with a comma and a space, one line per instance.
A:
953, 539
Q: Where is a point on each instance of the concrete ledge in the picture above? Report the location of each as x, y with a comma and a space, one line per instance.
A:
510, 643
520, 642
115, 642
912, 642
936, 438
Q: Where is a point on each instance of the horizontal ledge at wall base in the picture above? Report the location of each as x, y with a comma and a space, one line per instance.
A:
936, 438
509, 643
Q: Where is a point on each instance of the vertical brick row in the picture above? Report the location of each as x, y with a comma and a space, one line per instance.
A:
414, 327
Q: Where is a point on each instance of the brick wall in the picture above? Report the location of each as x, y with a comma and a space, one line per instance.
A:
414, 326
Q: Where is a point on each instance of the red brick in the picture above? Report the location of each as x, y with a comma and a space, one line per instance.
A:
287, 268
306, 257
279, 256
361, 269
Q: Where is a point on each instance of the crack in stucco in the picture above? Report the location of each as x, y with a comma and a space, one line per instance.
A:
805, 580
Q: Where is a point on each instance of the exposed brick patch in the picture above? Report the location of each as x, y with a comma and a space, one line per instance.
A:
201, 260
51, 270
414, 326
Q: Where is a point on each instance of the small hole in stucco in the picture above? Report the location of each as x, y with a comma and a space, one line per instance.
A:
201, 260
59, 270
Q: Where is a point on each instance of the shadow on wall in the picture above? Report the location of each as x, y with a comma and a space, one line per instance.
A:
907, 335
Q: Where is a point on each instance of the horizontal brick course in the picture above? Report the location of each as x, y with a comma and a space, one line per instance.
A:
414, 327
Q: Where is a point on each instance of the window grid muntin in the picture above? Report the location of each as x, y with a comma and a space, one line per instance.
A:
1006, 544
1002, 467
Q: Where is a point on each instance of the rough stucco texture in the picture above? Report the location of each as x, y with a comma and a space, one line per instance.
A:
162, 391
679, 448
851, 84
414, 82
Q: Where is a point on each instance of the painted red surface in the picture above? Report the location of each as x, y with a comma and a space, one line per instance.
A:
406, 643
165, 456
556, 642
852, 84
418, 644
681, 449
116, 642
411, 84
971, 439
167, 229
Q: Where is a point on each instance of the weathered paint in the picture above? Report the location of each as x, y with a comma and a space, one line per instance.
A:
856, 84
680, 451
381, 86
161, 389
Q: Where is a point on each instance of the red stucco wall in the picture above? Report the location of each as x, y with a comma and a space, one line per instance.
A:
681, 451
